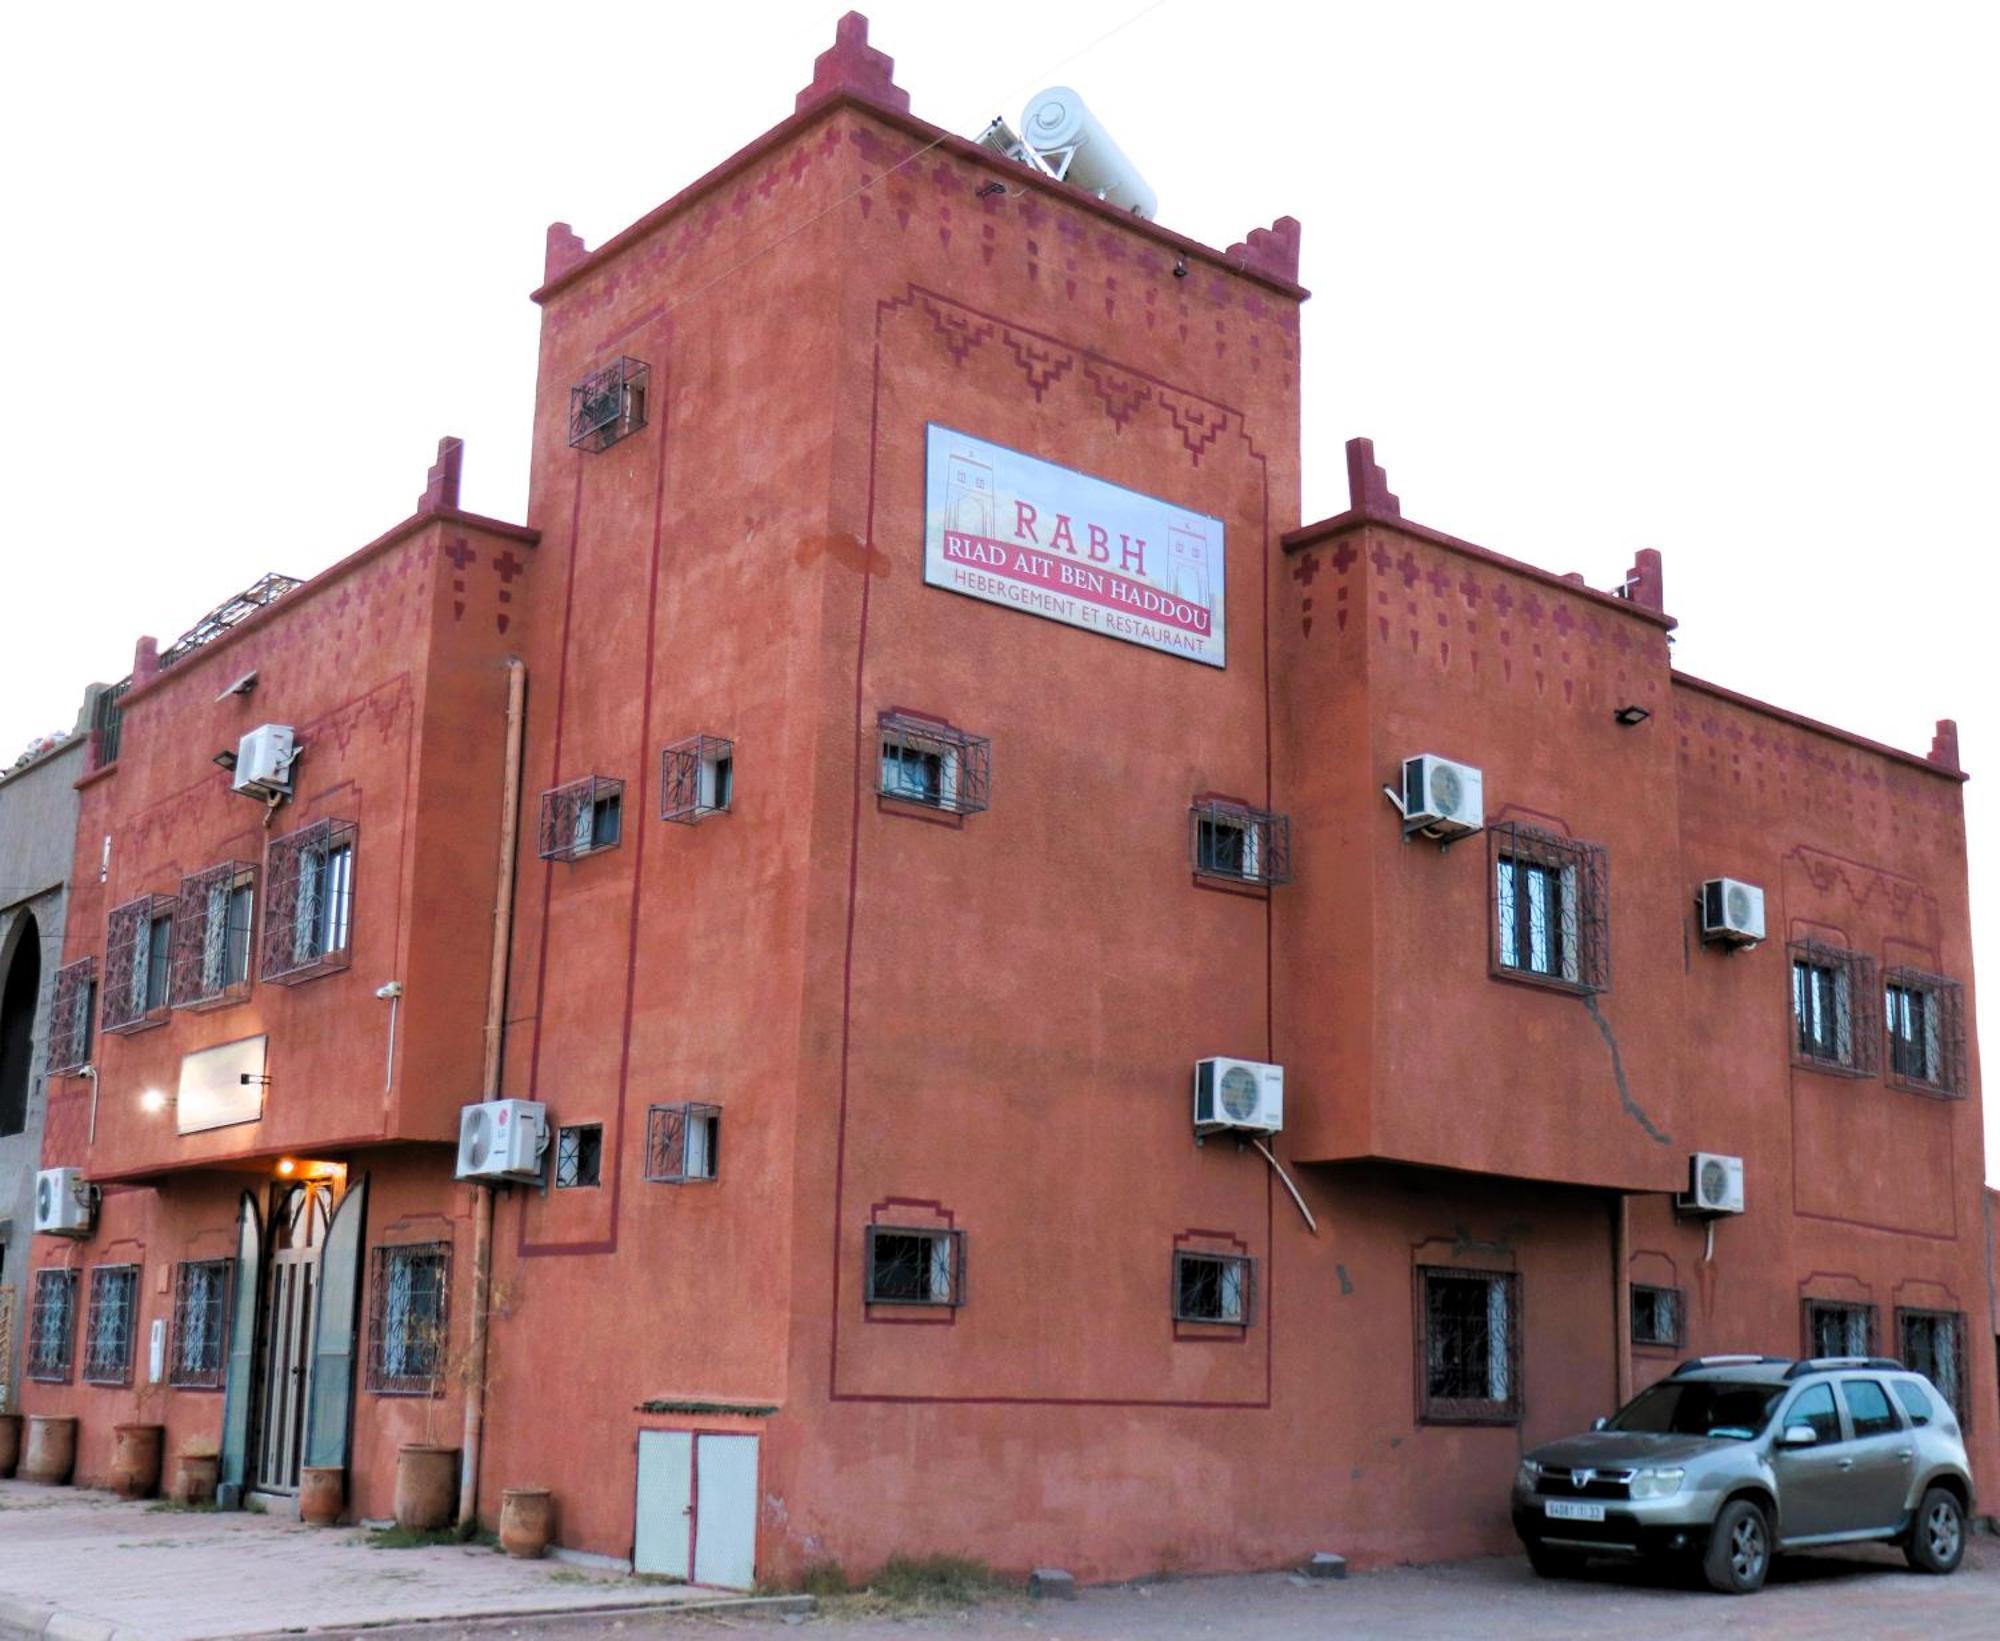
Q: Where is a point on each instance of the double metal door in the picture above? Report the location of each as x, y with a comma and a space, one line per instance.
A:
285, 1371
697, 1507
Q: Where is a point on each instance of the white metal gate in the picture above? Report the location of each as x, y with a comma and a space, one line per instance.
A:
696, 1514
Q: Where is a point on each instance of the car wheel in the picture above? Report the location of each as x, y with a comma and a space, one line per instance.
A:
1739, 1549
1937, 1537
1552, 1563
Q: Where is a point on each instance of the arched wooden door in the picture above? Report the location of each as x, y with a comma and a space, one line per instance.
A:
301, 1214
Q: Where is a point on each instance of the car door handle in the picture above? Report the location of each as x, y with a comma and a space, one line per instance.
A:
1905, 1454
1847, 1464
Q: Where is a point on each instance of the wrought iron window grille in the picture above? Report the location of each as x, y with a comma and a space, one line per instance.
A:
198, 1357
1933, 1343
308, 922
1217, 1289
1833, 1009
107, 1349
579, 1156
52, 1326
929, 763
683, 1143
1551, 908
107, 723
581, 818
1656, 1316
608, 405
409, 1319
1234, 843
910, 1266
1925, 1017
697, 779
70, 1010
213, 918
138, 959
1470, 1324
1837, 1328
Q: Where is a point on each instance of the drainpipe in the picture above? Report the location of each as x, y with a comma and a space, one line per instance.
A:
1621, 1296
489, 1089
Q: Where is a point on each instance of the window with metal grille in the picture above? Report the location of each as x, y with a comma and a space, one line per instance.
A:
697, 779
1656, 1315
71, 1006
212, 920
1551, 908
1231, 840
608, 405
915, 1267
107, 723
107, 1335
198, 1358
138, 958
581, 817
683, 1143
926, 761
579, 1156
1470, 1327
1213, 1288
1835, 1328
1831, 1025
1933, 1344
52, 1326
308, 902
1926, 1020
408, 1320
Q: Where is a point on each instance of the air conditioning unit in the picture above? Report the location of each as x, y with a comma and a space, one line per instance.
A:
264, 762
64, 1204
1732, 913
1715, 1185
1442, 799
1239, 1094
502, 1140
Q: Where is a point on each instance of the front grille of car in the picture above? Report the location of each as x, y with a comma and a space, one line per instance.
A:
1559, 1483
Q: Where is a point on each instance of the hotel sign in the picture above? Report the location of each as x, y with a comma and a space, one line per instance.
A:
1011, 529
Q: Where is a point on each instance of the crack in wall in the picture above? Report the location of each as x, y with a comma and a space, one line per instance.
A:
1632, 1108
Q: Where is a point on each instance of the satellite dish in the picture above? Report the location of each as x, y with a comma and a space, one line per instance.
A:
1065, 134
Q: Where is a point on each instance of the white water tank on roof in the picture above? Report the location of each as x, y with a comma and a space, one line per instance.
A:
1060, 128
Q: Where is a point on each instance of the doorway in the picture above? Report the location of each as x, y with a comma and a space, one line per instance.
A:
697, 1507
301, 1212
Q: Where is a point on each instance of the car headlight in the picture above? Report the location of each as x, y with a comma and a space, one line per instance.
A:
1657, 1484
1526, 1477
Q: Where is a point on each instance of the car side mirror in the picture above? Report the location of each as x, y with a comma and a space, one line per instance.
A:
1798, 1435
1600, 1423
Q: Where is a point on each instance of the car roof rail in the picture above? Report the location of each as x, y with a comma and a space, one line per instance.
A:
1833, 1364
1741, 1359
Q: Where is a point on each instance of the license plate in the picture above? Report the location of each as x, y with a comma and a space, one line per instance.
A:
1563, 1510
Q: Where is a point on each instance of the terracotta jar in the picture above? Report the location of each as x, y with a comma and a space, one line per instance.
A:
322, 1494
426, 1486
10, 1443
51, 1452
195, 1476
527, 1521
135, 1460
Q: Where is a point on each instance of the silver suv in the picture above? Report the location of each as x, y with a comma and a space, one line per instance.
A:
1731, 1458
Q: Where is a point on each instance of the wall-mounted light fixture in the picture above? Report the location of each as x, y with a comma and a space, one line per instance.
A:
153, 1100
1632, 714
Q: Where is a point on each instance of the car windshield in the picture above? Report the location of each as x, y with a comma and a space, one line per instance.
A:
1700, 1407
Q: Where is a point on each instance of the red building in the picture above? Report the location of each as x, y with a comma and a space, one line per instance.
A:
936, 733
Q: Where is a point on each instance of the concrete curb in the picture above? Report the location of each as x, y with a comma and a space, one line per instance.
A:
751, 1606
20, 1621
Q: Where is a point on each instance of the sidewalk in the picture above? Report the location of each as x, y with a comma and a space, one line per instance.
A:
112, 1569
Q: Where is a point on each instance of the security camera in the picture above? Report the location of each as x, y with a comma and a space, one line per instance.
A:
390, 992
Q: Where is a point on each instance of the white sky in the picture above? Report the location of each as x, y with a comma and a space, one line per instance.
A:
1718, 279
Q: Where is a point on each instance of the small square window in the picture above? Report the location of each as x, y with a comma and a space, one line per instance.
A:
1551, 908
1656, 1316
1212, 1288
1926, 1028
697, 779
915, 1267
1933, 1344
1834, 1328
683, 1143
579, 1156
1470, 1322
927, 762
608, 405
1832, 992
581, 818
1231, 840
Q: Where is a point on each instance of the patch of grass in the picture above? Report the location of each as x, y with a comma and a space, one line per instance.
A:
255, 1507
934, 1581
824, 1578
175, 1508
657, 1578
410, 1538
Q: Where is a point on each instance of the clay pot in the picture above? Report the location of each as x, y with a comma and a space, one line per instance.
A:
135, 1460
10, 1443
426, 1486
527, 1521
322, 1494
51, 1452
195, 1476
